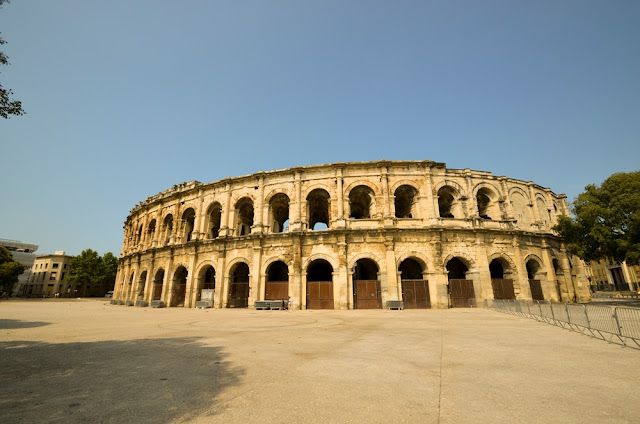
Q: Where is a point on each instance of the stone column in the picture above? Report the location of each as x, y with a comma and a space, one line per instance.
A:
258, 222
394, 288
505, 195
473, 202
521, 281
295, 222
431, 201
296, 283
533, 202
167, 283
340, 222
224, 230
220, 296
190, 290
554, 291
482, 274
199, 232
255, 283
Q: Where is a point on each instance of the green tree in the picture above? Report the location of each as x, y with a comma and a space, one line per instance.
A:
606, 221
90, 268
9, 270
7, 105
109, 269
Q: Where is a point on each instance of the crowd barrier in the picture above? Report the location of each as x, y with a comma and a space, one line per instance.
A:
612, 324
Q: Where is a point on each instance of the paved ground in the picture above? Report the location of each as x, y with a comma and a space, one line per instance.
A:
89, 361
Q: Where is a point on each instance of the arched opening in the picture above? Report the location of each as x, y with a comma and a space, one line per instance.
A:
188, 220
279, 212
158, 281
318, 209
214, 216
179, 286
448, 203
361, 200
488, 207
461, 291
141, 282
151, 231
366, 287
239, 286
139, 236
277, 285
533, 273
319, 285
206, 284
244, 216
502, 287
415, 290
167, 225
406, 197
543, 211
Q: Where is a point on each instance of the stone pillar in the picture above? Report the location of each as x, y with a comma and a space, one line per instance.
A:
521, 278
385, 192
167, 283
505, 195
198, 231
220, 296
255, 283
303, 290
340, 222
295, 222
438, 289
258, 221
224, 230
177, 225
296, 284
483, 273
392, 272
533, 202
473, 202
190, 290
554, 290
431, 201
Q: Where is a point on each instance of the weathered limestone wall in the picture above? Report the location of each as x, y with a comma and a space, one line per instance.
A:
387, 212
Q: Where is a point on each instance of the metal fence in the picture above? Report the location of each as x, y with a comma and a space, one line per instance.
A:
613, 324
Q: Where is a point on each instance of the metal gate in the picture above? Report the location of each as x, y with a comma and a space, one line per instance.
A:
239, 295
503, 289
536, 290
367, 294
319, 294
276, 290
460, 293
415, 294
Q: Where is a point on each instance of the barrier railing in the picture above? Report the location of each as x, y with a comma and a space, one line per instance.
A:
612, 324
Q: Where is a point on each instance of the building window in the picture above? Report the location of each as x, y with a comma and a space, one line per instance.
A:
53, 275
62, 276
64, 266
56, 265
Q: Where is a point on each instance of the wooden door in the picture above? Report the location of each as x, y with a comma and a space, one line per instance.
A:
276, 290
503, 289
460, 293
239, 295
415, 294
319, 295
157, 292
536, 290
368, 294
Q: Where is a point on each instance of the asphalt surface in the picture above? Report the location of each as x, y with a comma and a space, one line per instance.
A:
89, 361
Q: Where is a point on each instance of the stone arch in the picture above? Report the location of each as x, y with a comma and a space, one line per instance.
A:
279, 212
179, 285
415, 288
151, 231
213, 219
276, 285
239, 283
451, 183
367, 293
318, 208
187, 222
520, 205
362, 202
316, 256
535, 273
463, 257
449, 202
347, 189
543, 209
280, 190
167, 228
503, 272
505, 260
405, 201
396, 184
424, 260
157, 283
488, 201
365, 255
244, 215
267, 262
318, 186
319, 284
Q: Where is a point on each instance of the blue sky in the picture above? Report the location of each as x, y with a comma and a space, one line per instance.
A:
126, 98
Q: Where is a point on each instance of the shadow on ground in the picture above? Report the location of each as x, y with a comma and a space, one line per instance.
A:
12, 324
111, 381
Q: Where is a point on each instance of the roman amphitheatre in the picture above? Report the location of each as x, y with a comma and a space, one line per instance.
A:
356, 235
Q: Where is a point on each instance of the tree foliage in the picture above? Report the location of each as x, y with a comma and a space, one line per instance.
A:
8, 106
606, 221
9, 270
89, 267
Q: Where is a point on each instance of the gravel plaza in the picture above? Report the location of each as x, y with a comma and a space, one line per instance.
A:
90, 361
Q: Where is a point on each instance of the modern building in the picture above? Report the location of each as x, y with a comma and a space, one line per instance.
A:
24, 254
50, 277
350, 236
607, 275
